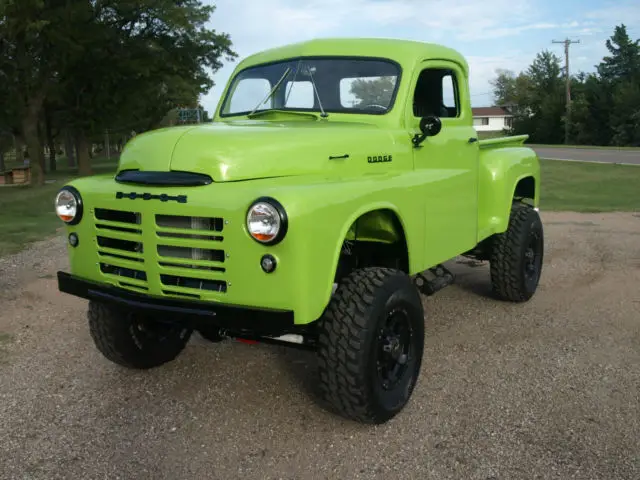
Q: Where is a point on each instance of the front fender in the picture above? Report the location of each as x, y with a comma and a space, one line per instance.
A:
321, 215
500, 170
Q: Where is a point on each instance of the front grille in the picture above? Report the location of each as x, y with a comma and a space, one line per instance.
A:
121, 257
191, 223
117, 216
194, 283
190, 235
188, 252
123, 272
185, 243
118, 244
192, 267
191, 253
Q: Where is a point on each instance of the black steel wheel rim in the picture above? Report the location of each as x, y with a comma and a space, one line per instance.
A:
533, 256
394, 348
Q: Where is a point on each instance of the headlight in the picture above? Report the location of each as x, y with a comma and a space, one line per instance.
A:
69, 205
267, 221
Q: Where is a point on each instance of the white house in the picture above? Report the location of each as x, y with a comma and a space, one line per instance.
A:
491, 119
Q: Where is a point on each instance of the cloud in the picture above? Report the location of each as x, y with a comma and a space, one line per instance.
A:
482, 69
256, 25
490, 33
615, 13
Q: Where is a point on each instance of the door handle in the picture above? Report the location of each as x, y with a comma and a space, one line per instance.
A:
472, 140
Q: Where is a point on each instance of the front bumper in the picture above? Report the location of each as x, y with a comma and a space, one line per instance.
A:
194, 313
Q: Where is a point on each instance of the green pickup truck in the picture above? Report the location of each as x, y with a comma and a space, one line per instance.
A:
336, 178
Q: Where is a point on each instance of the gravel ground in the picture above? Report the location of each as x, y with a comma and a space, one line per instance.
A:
548, 389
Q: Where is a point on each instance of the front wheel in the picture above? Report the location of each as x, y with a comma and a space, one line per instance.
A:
370, 345
133, 339
517, 256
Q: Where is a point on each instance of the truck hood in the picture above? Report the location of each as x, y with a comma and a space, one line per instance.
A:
251, 149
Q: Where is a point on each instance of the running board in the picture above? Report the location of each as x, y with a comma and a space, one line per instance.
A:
441, 278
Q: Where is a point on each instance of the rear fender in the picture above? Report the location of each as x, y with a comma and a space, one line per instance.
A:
500, 170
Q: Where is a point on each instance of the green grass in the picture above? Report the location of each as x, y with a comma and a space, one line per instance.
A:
589, 187
26, 213
586, 147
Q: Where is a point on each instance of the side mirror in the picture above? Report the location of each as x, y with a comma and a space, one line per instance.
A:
430, 126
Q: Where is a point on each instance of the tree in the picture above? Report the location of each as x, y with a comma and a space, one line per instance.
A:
620, 76
625, 115
85, 66
624, 61
591, 110
373, 92
34, 40
150, 56
535, 98
6, 142
505, 91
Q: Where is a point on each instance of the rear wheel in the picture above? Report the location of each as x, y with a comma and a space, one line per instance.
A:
370, 345
132, 339
517, 256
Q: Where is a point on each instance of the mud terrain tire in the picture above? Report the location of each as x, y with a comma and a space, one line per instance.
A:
517, 256
370, 345
132, 340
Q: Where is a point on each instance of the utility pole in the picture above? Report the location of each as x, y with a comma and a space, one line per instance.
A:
567, 43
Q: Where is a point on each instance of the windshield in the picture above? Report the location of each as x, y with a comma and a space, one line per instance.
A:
339, 85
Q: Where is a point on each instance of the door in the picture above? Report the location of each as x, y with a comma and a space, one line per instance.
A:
446, 163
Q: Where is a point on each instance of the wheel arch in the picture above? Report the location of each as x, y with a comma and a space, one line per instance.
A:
526, 187
379, 212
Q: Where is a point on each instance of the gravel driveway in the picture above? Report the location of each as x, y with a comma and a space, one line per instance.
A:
549, 389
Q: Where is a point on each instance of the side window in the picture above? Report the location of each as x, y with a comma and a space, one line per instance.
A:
450, 94
436, 94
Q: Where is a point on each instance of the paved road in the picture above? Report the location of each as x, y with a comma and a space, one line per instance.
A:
590, 155
548, 389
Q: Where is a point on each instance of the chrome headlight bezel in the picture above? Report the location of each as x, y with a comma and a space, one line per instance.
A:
79, 209
277, 211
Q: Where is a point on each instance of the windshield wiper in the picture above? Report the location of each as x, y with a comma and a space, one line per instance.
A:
315, 89
273, 90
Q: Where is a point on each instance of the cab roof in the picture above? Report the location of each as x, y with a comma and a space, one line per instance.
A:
404, 52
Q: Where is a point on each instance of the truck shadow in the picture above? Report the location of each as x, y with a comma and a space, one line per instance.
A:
302, 368
472, 276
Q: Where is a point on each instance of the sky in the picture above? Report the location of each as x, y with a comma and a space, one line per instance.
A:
491, 34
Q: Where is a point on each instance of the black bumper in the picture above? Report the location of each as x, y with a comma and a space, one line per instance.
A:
195, 313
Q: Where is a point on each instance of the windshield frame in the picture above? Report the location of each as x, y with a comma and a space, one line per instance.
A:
347, 111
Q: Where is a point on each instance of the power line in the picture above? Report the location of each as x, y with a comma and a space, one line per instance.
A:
567, 43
